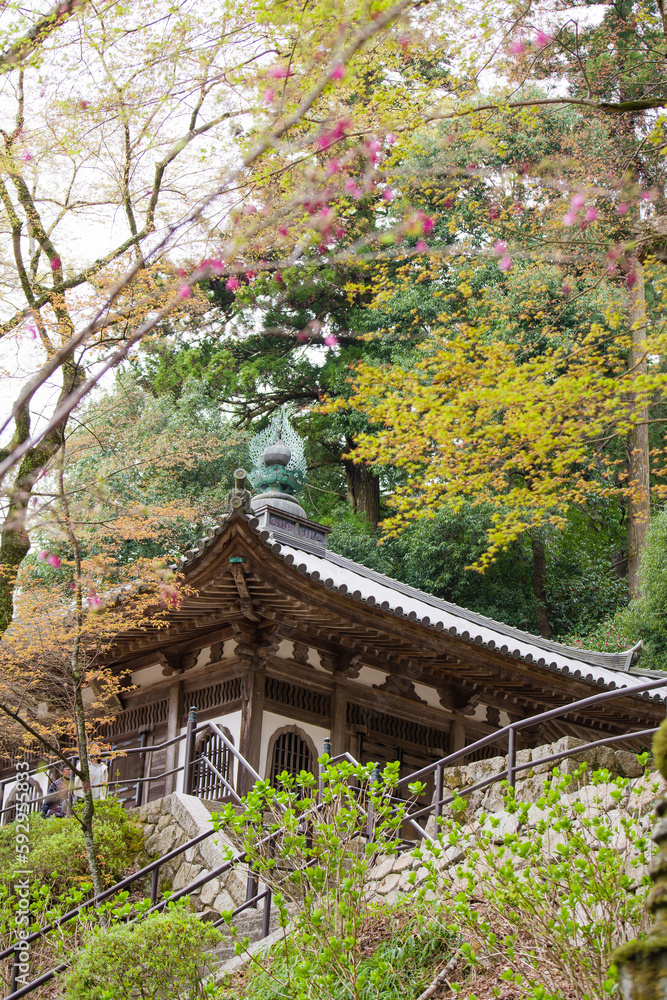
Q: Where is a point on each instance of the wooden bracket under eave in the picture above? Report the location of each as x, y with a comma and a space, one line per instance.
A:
244, 593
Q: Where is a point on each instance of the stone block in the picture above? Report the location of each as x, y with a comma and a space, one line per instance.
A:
628, 765
509, 823
389, 883
223, 901
209, 892
164, 821
404, 861
605, 757
383, 869
186, 873
162, 841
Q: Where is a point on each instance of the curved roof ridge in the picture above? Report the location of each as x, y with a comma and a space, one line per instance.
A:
614, 661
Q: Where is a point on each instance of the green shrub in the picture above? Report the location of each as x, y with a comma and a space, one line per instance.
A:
549, 899
57, 850
164, 957
320, 871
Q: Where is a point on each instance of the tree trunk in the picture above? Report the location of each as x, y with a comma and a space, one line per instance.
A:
637, 440
540, 584
78, 677
14, 542
363, 490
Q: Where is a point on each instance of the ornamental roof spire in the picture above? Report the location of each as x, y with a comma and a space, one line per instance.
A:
279, 465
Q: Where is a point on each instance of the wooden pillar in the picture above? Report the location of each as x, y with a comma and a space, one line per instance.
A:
338, 719
252, 710
173, 781
458, 735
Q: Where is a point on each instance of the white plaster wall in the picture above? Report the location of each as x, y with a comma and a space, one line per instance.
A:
429, 695
272, 722
147, 676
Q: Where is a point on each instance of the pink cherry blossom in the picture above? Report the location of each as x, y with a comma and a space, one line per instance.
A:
494, 212
332, 167
54, 561
250, 275
428, 224
390, 138
420, 246
278, 72
26, 157
631, 279
283, 231
542, 39
184, 292
338, 72
577, 200
55, 264
181, 272
278, 278
232, 283
517, 47
94, 601
388, 194
500, 247
269, 95
622, 208
569, 219
43, 555
591, 214
505, 263
566, 288
330, 340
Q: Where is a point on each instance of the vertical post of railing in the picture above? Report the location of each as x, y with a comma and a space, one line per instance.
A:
15, 972
266, 914
188, 768
511, 756
326, 751
251, 888
438, 791
155, 878
142, 758
370, 822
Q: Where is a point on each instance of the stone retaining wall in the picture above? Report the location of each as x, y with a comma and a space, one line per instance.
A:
172, 821
396, 875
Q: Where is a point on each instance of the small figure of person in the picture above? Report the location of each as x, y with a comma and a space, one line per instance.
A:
99, 779
56, 803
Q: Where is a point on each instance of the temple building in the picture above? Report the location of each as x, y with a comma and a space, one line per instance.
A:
284, 643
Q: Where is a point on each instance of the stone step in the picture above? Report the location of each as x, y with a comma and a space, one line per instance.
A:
248, 925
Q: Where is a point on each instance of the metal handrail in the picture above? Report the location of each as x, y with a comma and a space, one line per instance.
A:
434, 807
513, 727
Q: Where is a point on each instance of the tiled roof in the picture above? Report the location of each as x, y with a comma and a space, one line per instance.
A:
335, 572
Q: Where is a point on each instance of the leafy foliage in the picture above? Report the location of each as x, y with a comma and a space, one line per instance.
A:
58, 854
166, 955
319, 870
548, 898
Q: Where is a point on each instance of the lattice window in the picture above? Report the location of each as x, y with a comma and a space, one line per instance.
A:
395, 728
316, 702
291, 752
206, 783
